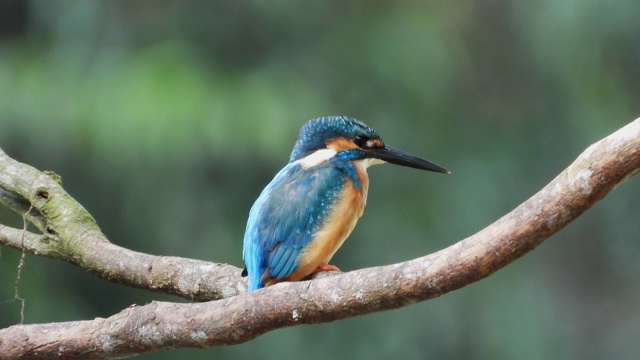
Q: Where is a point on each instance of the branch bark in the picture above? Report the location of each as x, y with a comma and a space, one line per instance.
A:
70, 234
162, 325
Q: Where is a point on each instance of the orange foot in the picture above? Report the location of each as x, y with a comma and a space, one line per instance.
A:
325, 267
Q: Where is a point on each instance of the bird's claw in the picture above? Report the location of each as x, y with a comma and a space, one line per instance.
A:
325, 267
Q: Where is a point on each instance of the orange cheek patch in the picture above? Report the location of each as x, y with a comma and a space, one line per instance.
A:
341, 144
377, 143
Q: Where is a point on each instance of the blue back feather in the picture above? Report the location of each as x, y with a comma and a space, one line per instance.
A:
282, 222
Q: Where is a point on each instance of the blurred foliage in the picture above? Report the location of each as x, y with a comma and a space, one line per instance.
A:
165, 119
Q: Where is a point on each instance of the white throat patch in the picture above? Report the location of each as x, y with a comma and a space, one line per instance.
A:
370, 161
316, 158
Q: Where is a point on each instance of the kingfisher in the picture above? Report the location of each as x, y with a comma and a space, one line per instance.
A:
311, 206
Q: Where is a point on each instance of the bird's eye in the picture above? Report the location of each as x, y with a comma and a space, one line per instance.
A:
361, 141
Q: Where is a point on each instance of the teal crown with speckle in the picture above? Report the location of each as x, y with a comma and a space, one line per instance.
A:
315, 134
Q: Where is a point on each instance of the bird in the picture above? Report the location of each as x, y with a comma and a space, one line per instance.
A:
311, 206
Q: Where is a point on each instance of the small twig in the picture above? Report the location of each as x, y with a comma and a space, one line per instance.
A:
21, 264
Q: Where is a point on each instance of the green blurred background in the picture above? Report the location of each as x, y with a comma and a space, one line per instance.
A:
165, 119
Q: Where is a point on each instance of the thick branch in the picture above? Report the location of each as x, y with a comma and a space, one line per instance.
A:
160, 325
70, 234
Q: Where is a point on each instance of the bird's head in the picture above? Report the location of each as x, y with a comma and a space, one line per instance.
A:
325, 137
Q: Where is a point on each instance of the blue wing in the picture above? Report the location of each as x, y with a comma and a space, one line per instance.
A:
285, 217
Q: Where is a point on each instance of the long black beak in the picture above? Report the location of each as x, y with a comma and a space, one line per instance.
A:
403, 158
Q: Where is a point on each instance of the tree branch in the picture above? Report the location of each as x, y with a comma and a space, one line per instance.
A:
71, 234
161, 325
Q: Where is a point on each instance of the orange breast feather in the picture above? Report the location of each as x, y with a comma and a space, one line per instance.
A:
339, 225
